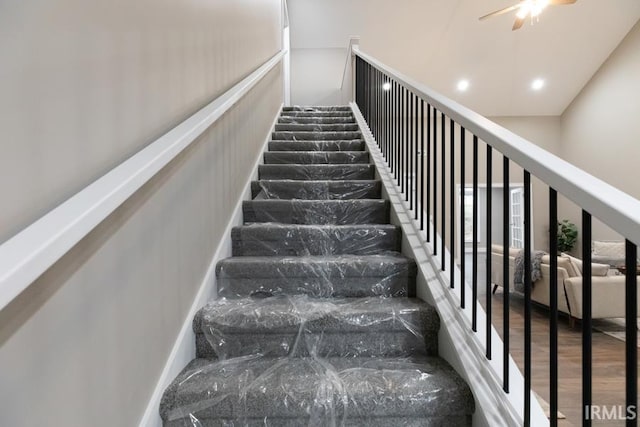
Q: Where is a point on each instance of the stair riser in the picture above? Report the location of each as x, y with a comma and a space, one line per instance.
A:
322, 344
248, 242
448, 421
320, 114
315, 136
316, 127
343, 145
316, 172
318, 190
315, 212
399, 285
321, 108
317, 120
303, 157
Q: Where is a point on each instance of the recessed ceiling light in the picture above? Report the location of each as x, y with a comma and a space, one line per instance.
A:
537, 84
463, 85
386, 86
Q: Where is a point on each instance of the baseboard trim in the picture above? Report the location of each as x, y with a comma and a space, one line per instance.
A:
183, 350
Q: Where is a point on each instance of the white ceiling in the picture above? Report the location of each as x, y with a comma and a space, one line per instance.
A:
439, 42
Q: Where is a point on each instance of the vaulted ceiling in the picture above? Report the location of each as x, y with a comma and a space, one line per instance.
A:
440, 42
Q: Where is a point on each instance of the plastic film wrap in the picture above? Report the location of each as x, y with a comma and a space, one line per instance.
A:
317, 172
317, 127
339, 212
334, 276
314, 136
316, 157
315, 190
376, 392
316, 109
335, 145
301, 326
315, 120
269, 239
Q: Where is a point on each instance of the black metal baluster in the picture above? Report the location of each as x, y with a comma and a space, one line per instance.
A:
488, 248
411, 158
422, 157
443, 184
462, 223
418, 184
452, 204
631, 315
428, 173
553, 306
406, 148
435, 181
586, 318
394, 138
506, 219
474, 267
527, 298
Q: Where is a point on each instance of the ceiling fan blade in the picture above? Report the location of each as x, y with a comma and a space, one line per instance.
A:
560, 2
518, 24
500, 12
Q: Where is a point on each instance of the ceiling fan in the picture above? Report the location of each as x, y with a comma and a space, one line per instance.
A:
526, 8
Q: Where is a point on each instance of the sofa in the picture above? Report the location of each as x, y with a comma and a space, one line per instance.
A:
608, 285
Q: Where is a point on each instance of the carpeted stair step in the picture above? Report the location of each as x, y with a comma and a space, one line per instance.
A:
316, 190
373, 392
317, 114
305, 240
300, 326
335, 145
330, 276
314, 136
296, 127
340, 212
316, 120
316, 157
316, 172
319, 108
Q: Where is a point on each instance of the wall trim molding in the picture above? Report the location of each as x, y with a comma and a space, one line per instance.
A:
31, 252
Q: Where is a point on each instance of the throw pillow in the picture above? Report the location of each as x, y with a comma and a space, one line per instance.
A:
596, 269
611, 249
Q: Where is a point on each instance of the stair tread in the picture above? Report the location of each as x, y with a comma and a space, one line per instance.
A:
314, 145
356, 211
286, 189
316, 266
316, 171
316, 157
315, 136
287, 388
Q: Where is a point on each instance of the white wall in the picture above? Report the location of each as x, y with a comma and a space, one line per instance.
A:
312, 84
85, 85
601, 127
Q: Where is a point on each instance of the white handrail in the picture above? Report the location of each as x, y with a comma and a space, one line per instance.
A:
615, 208
27, 255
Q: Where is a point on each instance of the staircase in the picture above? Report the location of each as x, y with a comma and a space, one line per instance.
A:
317, 323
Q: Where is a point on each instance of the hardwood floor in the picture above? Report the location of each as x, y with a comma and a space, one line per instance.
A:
608, 360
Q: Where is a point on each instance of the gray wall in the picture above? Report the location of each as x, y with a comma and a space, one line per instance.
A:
85, 85
601, 127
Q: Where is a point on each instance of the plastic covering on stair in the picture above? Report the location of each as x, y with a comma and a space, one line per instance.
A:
319, 109
335, 145
300, 326
315, 190
304, 240
315, 136
317, 114
391, 275
316, 172
316, 157
373, 392
315, 120
338, 212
